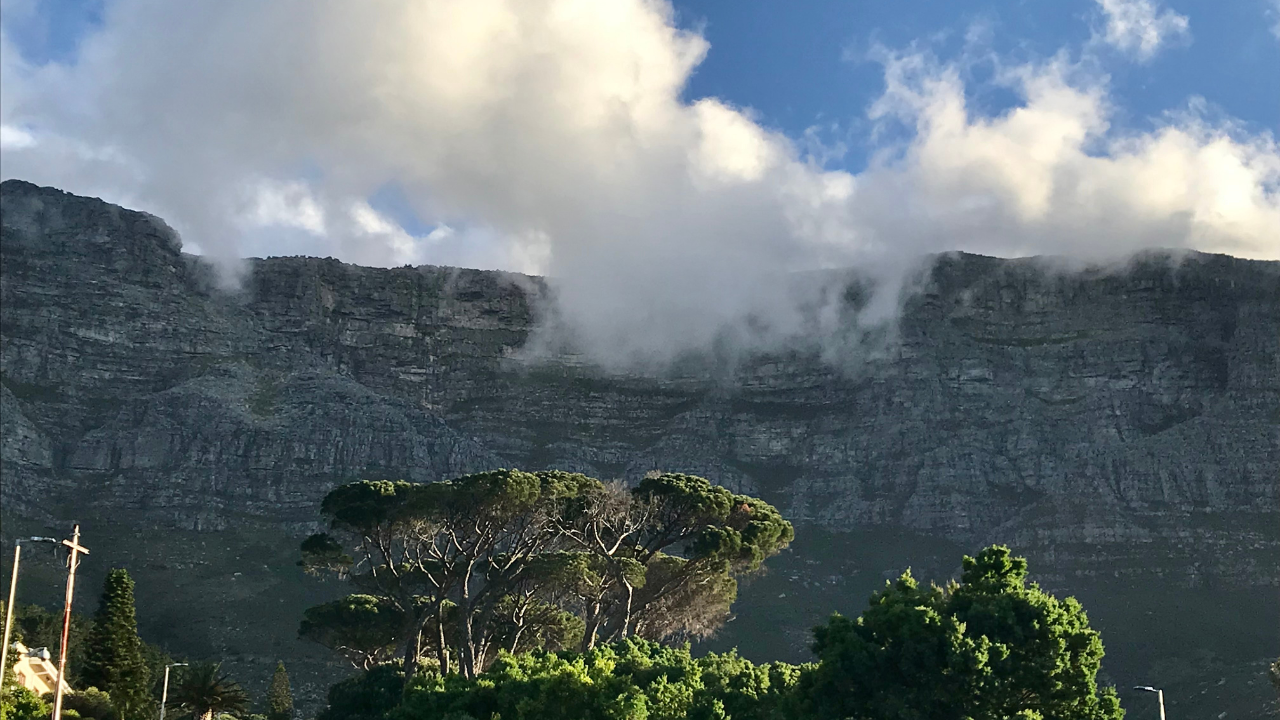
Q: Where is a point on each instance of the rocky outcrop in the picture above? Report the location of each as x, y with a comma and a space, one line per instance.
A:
1116, 425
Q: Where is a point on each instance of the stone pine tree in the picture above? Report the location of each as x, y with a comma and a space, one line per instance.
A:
114, 661
280, 696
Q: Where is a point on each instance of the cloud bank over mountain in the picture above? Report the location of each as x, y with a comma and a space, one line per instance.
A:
554, 137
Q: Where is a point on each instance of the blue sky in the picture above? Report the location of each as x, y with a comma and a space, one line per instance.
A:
805, 64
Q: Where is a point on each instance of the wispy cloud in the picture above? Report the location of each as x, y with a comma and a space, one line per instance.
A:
1142, 27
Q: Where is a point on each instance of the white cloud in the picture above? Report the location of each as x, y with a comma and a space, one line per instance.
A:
1141, 27
13, 138
1051, 177
551, 135
290, 204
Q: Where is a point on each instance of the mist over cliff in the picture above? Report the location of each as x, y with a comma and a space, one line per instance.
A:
1120, 426
566, 139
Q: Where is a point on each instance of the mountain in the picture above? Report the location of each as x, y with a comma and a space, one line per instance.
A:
1120, 427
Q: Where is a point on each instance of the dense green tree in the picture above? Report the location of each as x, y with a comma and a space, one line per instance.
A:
203, 691
438, 549
991, 646
114, 660
1273, 672
509, 560
368, 696
659, 560
280, 695
628, 679
361, 627
92, 704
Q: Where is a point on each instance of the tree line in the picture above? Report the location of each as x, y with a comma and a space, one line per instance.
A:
539, 596
115, 675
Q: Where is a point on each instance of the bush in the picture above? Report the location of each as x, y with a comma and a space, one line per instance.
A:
20, 703
368, 696
627, 679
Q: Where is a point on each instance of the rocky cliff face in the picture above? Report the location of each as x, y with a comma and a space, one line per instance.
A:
1120, 428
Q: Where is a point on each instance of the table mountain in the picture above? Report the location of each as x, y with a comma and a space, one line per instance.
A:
1119, 426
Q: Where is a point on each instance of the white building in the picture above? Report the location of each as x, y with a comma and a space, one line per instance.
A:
34, 670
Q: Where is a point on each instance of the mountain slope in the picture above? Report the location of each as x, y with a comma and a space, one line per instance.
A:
1120, 428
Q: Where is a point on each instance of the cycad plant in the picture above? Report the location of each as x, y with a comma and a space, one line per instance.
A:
204, 691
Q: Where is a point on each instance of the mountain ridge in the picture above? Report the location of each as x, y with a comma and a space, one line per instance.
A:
1119, 428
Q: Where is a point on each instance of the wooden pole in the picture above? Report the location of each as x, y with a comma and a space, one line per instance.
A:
73, 561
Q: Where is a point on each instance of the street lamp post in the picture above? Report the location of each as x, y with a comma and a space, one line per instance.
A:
164, 694
8, 609
1159, 696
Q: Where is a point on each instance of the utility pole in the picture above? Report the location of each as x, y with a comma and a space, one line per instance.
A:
13, 588
73, 561
164, 695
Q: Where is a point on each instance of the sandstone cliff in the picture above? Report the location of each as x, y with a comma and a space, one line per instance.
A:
1121, 428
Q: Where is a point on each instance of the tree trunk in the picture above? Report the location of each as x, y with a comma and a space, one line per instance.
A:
626, 611
442, 650
592, 628
467, 649
412, 647
468, 646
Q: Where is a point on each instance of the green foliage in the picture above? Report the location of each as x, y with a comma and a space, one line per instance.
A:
628, 679
40, 628
364, 628
92, 704
510, 560
368, 696
1273, 672
37, 627
265, 397
156, 660
202, 691
279, 695
991, 646
114, 659
19, 703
